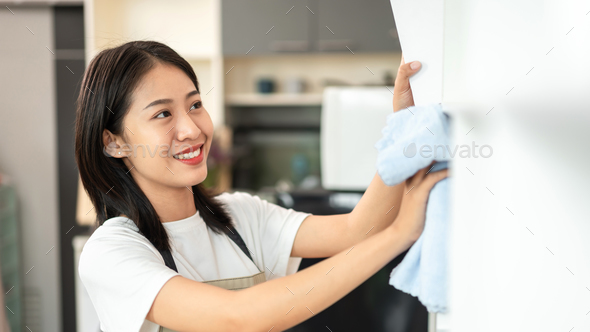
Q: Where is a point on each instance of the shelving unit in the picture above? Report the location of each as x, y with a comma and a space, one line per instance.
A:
274, 99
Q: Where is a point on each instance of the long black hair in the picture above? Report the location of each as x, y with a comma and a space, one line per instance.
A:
104, 100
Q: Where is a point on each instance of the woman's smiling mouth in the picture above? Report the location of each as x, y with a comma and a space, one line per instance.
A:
191, 156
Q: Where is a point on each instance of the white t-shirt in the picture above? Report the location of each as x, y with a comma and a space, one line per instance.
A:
123, 272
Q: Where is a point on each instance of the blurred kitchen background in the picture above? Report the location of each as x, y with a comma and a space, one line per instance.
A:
298, 92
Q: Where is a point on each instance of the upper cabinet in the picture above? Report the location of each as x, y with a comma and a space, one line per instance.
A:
361, 25
264, 27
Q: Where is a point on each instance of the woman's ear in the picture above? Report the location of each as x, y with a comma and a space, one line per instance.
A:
111, 148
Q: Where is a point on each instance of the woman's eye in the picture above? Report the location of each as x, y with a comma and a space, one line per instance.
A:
158, 116
198, 104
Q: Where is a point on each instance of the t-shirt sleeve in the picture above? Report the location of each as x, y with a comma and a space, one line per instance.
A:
276, 227
122, 273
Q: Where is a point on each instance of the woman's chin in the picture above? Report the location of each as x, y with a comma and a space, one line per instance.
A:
199, 178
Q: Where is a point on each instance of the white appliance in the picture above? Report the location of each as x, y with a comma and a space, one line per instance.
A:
351, 124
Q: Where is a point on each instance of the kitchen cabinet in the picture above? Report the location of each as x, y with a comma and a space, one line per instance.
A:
362, 26
518, 239
265, 27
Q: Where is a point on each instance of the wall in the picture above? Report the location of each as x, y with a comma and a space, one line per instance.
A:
190, 27
28, 150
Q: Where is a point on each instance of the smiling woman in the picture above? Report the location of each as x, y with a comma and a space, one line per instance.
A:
141, 95
168, 253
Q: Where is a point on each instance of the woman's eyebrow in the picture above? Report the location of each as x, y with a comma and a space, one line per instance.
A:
168, 101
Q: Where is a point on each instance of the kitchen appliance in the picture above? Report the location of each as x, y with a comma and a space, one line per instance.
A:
351, 124
275, 145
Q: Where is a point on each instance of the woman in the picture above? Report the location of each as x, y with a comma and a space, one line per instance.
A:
167, 254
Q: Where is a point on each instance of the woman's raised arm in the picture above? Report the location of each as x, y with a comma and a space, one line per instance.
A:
278, 304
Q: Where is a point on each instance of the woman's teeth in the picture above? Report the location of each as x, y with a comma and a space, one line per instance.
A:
189, 155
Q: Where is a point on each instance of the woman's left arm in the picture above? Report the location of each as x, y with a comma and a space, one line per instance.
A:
325, 236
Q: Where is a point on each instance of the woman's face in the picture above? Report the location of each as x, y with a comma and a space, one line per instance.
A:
166, 117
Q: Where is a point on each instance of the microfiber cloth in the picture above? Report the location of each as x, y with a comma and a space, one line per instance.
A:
412, 139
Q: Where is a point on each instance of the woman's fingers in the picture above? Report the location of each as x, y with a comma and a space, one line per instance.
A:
418, 177
426, 170
433, 177
402, 81
402, 92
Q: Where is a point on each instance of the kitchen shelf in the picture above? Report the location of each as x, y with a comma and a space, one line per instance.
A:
274, 99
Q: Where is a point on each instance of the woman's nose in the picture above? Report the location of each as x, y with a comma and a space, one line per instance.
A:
186, 127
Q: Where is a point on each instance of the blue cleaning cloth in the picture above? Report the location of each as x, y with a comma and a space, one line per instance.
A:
412, 139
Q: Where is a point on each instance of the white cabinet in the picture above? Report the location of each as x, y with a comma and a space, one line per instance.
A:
516, 77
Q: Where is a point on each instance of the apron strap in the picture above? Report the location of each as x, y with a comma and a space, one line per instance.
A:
233, 235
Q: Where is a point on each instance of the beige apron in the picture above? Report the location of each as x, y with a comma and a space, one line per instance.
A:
231, 284
228, 283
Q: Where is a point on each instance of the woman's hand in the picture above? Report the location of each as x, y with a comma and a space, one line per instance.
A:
412, 213
402, 92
